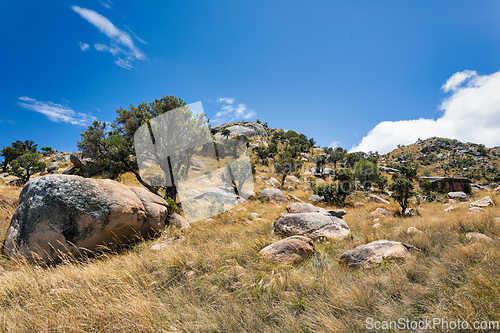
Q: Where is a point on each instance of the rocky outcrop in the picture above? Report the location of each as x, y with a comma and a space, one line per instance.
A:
61, 214
289, 250
245, 128
374, 253
313, 225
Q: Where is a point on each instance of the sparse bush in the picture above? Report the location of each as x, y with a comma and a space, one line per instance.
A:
402, 191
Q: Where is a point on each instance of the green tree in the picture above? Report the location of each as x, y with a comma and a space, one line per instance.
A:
237, 173
366, 173
320, 163
408, 172
335, 156
381, 182
46, 150
262, 153
27, 165
113, 150
345, 179
402, 191
225, 132
285, 165
17, 149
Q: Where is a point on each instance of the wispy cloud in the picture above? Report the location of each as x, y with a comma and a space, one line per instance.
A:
335, 144
56, 112
230, 111
127, 53
106, 3
135, 36
226, 100
84, 46
470, 113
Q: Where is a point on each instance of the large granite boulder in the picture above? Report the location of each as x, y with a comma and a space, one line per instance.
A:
302, 207
273, 195
62, 214
289, 250
313, 225
460, 196
374, 253
218, 194
484, 202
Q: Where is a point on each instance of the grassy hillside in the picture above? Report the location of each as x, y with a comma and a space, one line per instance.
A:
446, 157
210, 278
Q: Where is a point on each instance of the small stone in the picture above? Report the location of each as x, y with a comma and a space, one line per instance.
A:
413, 230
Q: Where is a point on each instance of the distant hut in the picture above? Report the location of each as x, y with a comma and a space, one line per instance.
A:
449, 184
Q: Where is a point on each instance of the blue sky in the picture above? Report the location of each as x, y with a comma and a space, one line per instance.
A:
360, 74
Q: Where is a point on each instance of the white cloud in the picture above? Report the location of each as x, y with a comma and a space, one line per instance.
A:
232, 112
56, 112
471, 113
116, 36
84, 46
457, 79
334, 144
226, 100
106, 4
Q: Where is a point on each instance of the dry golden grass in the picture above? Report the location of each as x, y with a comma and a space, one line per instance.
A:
215, 281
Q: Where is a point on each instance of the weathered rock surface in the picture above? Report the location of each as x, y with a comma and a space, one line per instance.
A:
452, 209
413, 231
70, 170
478, 237
302, 207
312, 225
273, 194
484, 202
156, 210
374, 253
377, 199
54, 166
316, 198
382, 212
218, 194
177, 220
476, 210
289, 250
196, 163
248, 129
61, 214
460, 196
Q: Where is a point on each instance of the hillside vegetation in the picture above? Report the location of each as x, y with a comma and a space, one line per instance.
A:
211, 278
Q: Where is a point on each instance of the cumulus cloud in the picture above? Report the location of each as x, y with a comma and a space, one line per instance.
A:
120, 42
231, 112
56, 112
470, 113
84, 46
